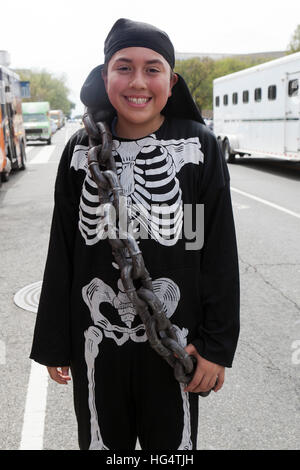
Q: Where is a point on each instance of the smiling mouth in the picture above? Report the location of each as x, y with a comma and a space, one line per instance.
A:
137, 100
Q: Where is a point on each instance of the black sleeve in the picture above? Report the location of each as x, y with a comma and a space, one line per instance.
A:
218, 330
51, 341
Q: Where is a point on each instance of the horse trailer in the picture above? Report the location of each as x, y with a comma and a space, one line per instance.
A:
257, 110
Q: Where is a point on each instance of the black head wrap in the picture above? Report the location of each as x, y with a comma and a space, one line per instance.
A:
126, 33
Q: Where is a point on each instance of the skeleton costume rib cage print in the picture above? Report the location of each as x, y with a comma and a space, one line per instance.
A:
122, 388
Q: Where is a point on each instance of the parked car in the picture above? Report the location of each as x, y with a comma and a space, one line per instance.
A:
53, 126
209, 123
58, 117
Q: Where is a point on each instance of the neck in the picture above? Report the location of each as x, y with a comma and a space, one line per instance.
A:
129, 130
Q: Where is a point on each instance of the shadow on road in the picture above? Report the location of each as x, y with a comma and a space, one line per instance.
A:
287, 169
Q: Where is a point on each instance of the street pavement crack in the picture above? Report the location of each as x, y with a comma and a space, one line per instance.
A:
248, 267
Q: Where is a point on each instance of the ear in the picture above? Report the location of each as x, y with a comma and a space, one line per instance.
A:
173, 82
174, 79
104, 78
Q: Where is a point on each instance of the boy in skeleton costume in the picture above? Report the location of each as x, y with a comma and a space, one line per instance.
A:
166, 159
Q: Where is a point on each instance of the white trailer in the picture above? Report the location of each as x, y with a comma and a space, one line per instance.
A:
257, 110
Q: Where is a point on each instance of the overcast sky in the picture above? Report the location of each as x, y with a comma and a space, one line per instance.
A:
67, 36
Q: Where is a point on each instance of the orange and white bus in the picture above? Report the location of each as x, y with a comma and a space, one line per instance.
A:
12, 133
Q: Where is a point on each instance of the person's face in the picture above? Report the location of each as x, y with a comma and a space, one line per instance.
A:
138, 83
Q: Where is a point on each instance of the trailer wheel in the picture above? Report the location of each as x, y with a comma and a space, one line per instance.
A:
219, 142
229, 157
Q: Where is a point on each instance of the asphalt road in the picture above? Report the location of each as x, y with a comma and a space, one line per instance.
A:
258, 407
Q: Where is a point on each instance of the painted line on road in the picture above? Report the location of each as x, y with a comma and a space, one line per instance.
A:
44, 155
66, 136
35, 409
28, 150
267, 203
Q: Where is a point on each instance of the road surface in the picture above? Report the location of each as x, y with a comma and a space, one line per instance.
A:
258, 407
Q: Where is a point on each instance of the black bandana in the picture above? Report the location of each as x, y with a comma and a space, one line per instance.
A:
126, 33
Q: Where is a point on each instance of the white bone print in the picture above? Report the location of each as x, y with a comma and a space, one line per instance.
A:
147, 171
96, 293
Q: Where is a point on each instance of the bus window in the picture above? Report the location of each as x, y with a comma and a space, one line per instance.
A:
272, 92
257, 94
293, 87
217, 101
225, 100
245, 96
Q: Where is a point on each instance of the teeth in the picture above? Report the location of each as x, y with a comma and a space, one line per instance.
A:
138, 100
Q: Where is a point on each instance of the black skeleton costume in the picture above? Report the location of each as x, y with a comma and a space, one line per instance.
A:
122, 388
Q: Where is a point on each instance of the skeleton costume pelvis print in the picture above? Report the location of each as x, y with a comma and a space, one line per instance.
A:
147, 170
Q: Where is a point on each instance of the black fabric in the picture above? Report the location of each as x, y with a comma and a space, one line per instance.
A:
211, 298
80, 318
127, 33
140, 401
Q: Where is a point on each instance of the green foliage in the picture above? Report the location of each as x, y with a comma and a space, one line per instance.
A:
46, 87
200, 73
294, 45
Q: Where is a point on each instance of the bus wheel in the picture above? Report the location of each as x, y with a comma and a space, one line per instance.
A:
4, 176
229, 157
23, 157
49, 141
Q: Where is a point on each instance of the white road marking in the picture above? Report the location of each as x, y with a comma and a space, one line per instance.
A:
44, 155
35, 409
28, 150
67, 135
2, 353
268, 203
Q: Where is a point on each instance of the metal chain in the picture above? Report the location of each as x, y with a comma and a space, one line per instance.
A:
127, 254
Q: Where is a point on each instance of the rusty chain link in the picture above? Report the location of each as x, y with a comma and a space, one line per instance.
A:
160, 332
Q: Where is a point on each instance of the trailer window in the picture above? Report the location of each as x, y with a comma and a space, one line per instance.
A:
217, 101
225, 100
245, 96
234, 98
293, 87
272, 92
257, 94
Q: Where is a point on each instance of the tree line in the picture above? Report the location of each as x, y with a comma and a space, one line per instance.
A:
45, 86
198, 73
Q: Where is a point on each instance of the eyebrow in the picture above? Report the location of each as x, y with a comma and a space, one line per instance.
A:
148, 62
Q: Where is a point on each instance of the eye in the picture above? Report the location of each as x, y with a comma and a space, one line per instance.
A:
153, 70
123, 68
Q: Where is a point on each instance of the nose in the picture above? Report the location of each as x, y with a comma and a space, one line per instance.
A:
138, 81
